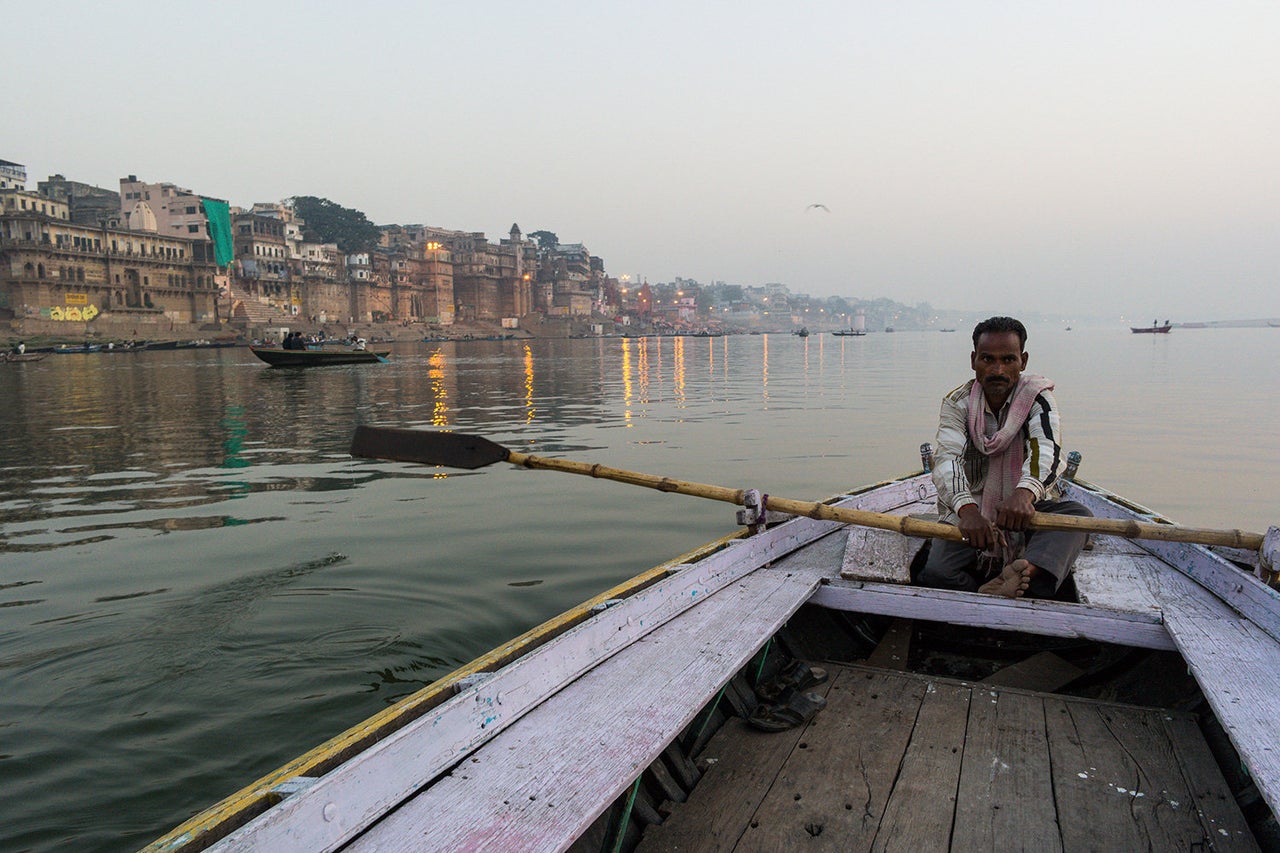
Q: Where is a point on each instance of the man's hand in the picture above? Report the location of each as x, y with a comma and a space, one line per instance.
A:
1016, 512
977, 530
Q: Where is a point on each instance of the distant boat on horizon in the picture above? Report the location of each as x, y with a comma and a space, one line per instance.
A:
1153, 329
855, 333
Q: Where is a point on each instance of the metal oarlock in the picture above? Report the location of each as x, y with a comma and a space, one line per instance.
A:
926, 457
1073, 464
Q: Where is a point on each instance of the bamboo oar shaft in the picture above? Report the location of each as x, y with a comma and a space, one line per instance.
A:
899, 523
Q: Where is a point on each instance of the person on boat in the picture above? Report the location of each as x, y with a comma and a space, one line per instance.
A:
997, 464
21, 347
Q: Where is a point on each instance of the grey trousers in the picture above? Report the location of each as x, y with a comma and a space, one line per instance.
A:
954, 565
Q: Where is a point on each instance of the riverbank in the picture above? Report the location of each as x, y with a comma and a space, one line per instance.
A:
40, 333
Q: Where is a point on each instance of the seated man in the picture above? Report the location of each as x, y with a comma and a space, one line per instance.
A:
996, 465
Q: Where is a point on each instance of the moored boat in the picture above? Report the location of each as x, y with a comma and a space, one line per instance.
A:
277, 357
630, 721
850, 333
22, 356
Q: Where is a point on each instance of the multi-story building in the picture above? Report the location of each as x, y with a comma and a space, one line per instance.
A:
164, 208
54, 269
261, 257
13, 176
88, 205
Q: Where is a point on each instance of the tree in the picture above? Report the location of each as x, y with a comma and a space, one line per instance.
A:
329, 222
546, 240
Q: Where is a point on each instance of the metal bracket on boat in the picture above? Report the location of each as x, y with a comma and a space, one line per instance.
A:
605, 605
1268, 568
475, 679
293, 785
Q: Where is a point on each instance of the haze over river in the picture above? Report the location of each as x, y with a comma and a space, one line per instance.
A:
197, 583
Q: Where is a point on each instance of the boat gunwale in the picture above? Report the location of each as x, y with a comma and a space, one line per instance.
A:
214, 823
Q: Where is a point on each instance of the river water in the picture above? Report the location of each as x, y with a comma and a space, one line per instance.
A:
197, 583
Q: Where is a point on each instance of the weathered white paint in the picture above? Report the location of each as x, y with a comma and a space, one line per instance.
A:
1237, 665
1242, 591
1050, 618
878, 555
540, 784
348, 799
1111, 575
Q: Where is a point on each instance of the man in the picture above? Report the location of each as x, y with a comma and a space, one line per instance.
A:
996, 465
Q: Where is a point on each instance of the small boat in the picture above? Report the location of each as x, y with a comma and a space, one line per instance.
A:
277, 357
22, 356
801, 332
1153, 329
850, 333
68, 349
946, 330
684, 709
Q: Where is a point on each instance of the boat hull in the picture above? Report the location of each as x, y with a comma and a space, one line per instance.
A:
1150, 330
317, 358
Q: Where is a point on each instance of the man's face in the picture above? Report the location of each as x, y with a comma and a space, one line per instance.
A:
997, 363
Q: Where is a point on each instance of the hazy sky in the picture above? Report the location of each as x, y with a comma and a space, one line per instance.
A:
1102, 158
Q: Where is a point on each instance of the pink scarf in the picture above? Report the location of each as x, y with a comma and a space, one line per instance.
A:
1005, 448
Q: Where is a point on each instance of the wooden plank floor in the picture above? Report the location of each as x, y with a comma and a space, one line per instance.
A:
898, 761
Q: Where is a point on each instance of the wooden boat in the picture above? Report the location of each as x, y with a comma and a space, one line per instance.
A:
277, 357
802, 332
22, 356
953, 721
853, 333
1153, 329
76, 349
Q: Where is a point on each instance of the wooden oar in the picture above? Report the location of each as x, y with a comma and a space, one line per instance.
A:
458, 450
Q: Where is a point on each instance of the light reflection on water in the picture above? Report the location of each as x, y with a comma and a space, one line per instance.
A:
197, 582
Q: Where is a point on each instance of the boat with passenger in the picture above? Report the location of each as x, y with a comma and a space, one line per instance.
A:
788, 682
317, 356
1153, 329
850, 333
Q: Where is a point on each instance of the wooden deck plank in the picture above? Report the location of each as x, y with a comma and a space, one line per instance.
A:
1005, 798
895, 646
1217, 808
1116, 774
1044, 672
1108, 576
882, 556
538, 785
832, 795
1032, 771
741, 766
921, 808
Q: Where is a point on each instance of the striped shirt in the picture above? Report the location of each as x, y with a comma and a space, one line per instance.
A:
960, 469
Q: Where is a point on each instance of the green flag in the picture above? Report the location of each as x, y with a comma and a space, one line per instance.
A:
219, 215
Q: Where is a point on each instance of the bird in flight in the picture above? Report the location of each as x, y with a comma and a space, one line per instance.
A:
819, 206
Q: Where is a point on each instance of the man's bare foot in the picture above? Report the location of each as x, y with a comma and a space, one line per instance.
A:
1012, 582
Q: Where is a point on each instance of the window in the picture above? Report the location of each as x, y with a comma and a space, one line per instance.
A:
191, 210
193, 229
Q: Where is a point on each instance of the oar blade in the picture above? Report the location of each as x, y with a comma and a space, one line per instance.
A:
451, 449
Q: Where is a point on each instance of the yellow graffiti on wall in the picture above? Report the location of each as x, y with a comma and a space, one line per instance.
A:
74, 313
